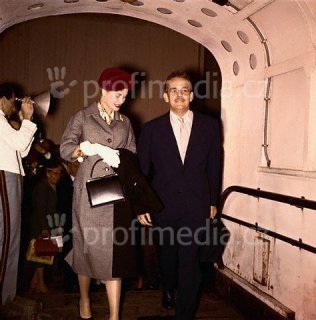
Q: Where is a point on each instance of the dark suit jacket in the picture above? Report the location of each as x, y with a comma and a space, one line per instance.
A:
140, 199
137, 189
186, 190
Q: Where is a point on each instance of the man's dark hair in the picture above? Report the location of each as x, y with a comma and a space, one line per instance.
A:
177, 74
7, 90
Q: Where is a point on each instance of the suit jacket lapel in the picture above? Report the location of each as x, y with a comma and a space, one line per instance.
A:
168, 134
194, 135
98, 118
193, 139
170, 137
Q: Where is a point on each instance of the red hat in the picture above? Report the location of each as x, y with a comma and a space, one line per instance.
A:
115, 79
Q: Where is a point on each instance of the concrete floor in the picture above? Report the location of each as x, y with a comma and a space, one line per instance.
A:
137, 304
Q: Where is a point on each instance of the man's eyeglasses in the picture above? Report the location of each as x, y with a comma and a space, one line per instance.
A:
182, 92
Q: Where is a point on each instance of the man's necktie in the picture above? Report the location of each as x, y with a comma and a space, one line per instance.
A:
184, 139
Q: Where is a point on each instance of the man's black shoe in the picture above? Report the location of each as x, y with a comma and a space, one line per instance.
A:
168, 301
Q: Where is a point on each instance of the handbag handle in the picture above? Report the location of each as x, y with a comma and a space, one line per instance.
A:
92, 169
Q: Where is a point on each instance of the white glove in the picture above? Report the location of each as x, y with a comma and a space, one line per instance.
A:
88, 148
109, 155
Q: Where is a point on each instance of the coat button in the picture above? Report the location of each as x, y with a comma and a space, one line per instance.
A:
109, 140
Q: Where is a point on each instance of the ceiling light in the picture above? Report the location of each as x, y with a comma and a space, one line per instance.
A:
36, 6
209, 12
195, 23
220, 2
164, 10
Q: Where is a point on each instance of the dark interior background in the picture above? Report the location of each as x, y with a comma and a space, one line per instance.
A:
85, 44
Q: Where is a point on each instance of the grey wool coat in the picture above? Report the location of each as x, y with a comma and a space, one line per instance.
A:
93, 231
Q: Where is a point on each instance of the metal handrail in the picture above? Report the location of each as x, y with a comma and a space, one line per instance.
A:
293, 201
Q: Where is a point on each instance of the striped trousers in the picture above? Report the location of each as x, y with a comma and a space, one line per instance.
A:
10, 229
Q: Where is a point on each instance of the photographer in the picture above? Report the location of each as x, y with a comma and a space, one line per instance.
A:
14, 144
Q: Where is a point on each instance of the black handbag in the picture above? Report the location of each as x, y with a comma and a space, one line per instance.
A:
105, 189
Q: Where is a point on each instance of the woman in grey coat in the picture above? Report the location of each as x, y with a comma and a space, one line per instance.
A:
93, 133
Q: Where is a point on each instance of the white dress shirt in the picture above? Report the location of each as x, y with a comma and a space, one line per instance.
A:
14, 144
175, 123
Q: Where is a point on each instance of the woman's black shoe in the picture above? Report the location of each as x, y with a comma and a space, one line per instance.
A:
168, 301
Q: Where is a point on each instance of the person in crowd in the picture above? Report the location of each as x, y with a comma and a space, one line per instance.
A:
95, 133
65, 192
33, 165
14, 144
44, 209
32, 168
180, 152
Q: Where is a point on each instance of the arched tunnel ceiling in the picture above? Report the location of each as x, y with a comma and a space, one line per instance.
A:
230, 32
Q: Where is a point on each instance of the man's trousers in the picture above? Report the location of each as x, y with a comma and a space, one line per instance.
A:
10, 229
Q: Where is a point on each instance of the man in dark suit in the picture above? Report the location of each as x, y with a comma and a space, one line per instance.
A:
180, 153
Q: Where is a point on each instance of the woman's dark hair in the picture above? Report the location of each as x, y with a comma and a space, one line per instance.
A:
7, 90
